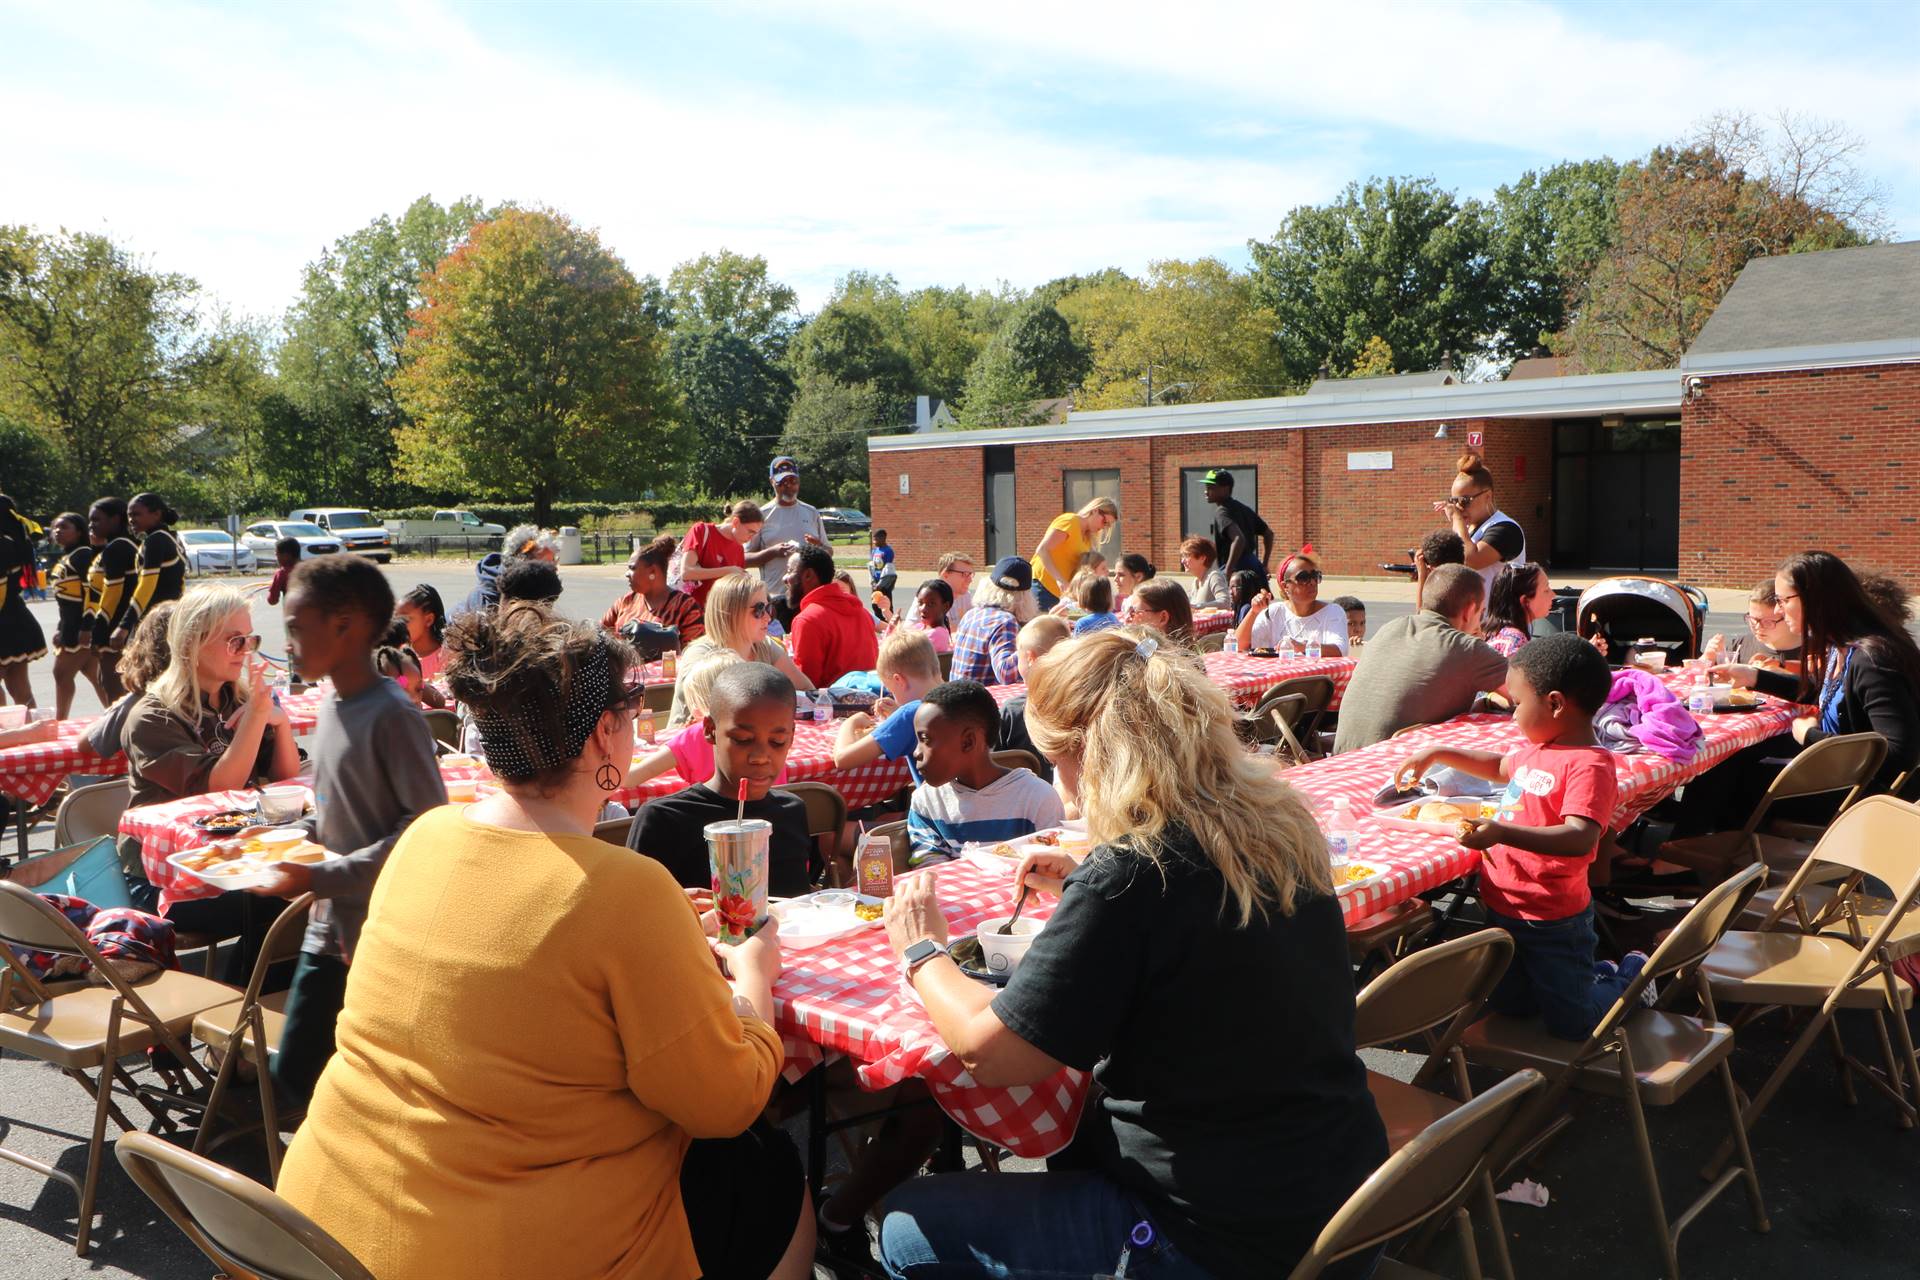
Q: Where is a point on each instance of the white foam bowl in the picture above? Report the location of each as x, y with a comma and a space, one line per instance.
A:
1003, 952
283, 804
282, 836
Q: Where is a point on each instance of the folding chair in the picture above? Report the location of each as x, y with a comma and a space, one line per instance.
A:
1214, 642
1843, 763
1428, 1178
946, 664
1817, 897
89, 812
1016, 758
1822, 973
247, 1230
613, 830
1377, 942
659, 699
1289, 714
1648, 1057
444, 725
90, 1028
826, 817
1434, 995
896, 834
256, 1021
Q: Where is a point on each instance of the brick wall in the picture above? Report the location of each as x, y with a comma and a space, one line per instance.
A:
1774, 463
1356, 520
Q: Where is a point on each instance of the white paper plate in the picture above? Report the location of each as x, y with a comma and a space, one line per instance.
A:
804, 924
259, 874
1373, 869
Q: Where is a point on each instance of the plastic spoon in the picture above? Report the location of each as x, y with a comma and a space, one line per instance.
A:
1019, 904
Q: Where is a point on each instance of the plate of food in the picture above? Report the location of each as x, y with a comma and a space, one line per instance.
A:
847, 701
1438, 815
1350, 877
229, 822
1727, 698
814, 918
1069, 838
241, 862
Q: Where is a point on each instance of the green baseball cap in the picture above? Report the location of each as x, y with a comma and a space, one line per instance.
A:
1218, 476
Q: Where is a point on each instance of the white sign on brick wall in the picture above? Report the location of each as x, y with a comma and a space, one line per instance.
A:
903, 482
1380, 461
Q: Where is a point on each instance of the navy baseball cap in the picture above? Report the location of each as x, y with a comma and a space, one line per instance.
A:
1013, 574
782, 466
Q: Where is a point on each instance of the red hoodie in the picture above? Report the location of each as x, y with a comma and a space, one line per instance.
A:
832, 635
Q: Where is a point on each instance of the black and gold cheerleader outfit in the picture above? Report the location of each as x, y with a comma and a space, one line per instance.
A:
69, 583
21, 639
160, 576
110, 588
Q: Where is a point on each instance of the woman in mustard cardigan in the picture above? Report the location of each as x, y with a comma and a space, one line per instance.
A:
540, 1069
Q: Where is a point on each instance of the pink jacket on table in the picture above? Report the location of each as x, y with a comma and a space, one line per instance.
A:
1640, 710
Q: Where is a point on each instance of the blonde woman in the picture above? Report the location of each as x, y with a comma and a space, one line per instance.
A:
738, 612
1197, 963
1070, 537
207, 723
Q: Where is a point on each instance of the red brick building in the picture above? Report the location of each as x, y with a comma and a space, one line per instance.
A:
1793, 422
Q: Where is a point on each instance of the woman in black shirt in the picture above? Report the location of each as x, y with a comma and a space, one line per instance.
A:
161, 572
109, 588
1197, 965
21, 639
69, 583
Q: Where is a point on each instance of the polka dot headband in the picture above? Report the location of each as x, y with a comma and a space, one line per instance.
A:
515, 741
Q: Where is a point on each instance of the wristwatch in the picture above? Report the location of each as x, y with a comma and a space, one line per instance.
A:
918, 954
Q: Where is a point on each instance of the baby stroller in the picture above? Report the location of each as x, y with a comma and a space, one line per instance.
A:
1644, 614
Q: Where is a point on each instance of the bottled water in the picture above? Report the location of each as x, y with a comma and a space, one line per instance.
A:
1700, 701
822, 707
1343, 837
1313, 646
1232, 644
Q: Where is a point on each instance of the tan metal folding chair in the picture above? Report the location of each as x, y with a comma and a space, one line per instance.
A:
613, 830
826, 817
1880, 837
90, 1028
946, 665
1213, 642
1647, 1057
90, 812
896, 834
1383, 939
1289, 714
256, 1021
1428, 1178
659, 699
1843, 763
444, 725
1434, 995
247, 1230
1016, 758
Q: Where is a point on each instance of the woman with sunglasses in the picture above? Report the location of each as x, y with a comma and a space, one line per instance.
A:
1492, 537
1288, 624
207, 723
738, 613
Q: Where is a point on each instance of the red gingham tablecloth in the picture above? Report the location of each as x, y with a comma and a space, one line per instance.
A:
166, 829
1415, 861
1212, 621
1246, 678
33, 773
847, 996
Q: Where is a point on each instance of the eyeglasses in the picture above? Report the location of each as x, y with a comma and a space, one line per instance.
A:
760, 608
242, 644
1307, 576
1756, 622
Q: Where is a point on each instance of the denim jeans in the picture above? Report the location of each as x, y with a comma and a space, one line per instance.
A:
1022, 1226
1046, 598
1552, 975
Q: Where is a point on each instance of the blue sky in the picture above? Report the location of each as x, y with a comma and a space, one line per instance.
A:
952, 143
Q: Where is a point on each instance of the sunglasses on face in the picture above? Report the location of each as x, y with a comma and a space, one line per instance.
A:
1307, 577
760, 608
242, 644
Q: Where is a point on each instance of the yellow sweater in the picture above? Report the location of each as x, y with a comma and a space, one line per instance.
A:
534, 1029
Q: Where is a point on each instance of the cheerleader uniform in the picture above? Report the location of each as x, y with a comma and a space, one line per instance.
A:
21, 639
69, 583
160, 576
109, 593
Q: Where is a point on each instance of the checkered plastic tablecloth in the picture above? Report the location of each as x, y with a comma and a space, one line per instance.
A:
1245, 678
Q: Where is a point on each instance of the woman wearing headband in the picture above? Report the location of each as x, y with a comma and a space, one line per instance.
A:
602, 1119
1288, 624
1206, 903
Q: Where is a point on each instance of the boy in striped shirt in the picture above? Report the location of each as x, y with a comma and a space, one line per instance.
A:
963, 796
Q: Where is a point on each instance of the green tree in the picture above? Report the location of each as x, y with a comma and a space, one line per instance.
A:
344, 338
535, 366
229, 466
827, 431
848, 345
96, 350
1398, 258
34, 476
1039, 342
1550, 230
732, 325
1000, 392
1189, 332
1374, 360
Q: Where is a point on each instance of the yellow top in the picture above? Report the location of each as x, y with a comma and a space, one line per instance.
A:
1054, 570
534, 1029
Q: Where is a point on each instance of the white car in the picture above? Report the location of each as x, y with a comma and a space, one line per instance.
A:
212, 551
353, 527
314, 541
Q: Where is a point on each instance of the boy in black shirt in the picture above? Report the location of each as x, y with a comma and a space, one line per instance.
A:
749, 721
1033, 642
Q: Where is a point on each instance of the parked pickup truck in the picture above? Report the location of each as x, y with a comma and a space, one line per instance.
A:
355, 527
453, 526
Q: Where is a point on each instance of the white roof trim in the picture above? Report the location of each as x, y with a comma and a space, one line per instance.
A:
1823, 356
1646, 391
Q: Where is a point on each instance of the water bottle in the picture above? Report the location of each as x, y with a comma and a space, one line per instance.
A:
823, 707
1700, 700
1232, 643
1313, 646
1343, 837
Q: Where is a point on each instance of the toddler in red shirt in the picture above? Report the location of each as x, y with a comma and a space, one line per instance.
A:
1557, 805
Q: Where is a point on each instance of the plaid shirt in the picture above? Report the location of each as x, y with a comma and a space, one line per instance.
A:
983, 647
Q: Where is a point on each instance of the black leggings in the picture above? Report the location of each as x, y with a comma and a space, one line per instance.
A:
742, 1200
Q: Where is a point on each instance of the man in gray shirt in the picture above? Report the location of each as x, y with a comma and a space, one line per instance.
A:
1424, 668
790, 524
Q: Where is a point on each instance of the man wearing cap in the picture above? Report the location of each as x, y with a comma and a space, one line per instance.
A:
983, 647
790, 524
1241, 538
